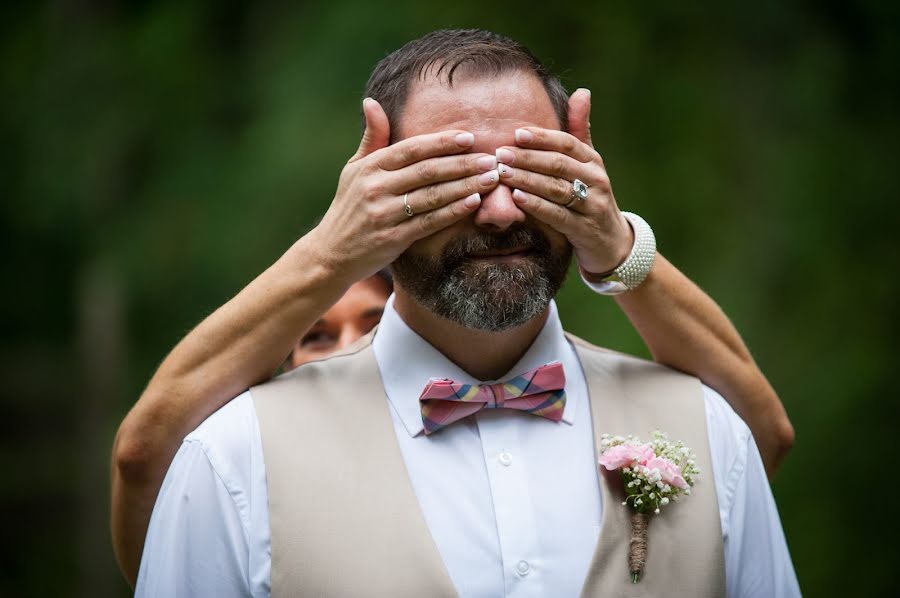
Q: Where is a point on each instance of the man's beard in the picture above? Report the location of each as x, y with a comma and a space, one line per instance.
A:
484, 294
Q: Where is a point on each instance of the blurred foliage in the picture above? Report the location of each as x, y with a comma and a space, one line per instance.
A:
155, 156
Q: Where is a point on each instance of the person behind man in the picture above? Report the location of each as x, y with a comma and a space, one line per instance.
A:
329, 480
195, 381
354, 315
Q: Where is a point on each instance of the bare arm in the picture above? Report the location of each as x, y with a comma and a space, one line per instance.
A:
685, 329
244, 341
681, 325
240, 344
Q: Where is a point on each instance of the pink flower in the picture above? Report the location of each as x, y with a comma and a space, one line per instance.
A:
623, 455
670, 473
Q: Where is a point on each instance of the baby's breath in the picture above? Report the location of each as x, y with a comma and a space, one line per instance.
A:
645, 488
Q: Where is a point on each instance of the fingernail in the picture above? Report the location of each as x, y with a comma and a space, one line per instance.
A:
523, 136
519, 196
487, 162
505, 171
504, 155
585, 90
465, 139
472, 201
488, 178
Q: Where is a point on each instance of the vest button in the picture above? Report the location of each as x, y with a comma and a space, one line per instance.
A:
523, 568
505, 459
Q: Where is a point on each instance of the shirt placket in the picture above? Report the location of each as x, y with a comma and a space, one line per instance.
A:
513, 510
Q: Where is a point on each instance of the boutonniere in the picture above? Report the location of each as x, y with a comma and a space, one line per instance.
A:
654, 473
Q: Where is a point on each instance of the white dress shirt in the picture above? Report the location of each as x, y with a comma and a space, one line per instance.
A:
496, 490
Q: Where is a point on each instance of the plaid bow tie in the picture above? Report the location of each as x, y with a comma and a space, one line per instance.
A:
539, 391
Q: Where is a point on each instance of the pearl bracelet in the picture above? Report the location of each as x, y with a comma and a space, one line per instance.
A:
634, 270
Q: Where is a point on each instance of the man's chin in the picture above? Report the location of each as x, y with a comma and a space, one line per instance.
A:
493, 293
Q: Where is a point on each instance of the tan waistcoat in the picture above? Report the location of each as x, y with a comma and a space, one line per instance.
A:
345, 521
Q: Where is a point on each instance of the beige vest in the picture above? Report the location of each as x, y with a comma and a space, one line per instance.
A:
345, 521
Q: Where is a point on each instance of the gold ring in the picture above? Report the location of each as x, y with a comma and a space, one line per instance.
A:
406, 205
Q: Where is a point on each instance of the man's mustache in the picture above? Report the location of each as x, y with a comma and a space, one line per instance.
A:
461, 248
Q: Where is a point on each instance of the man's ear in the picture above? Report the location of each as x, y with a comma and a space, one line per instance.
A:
378, 130
580, 115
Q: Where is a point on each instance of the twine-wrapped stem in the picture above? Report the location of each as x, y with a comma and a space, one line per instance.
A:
637, 552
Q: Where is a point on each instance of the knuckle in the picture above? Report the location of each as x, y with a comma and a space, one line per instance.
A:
603, 182
448, 143
378, 216
569, 143
430, 197
525, 177
359, 170
603, 204
470, 184
382, 237
426, 170
558, 164
372, 190
427, 222
543, 207
407, 152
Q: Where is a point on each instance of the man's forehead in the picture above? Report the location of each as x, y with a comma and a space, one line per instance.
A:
482, 104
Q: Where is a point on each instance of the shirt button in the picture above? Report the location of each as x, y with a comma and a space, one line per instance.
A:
523, 568
505, 459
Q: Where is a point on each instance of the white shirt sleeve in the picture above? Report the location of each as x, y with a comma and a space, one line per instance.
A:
196, 544
757, 559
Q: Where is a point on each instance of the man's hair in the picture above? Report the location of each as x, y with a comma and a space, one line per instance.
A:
441, 53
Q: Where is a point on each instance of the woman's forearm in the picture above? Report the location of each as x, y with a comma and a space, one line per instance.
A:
240, 344
686, 330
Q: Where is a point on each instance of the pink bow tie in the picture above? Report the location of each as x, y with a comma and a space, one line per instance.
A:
539, 391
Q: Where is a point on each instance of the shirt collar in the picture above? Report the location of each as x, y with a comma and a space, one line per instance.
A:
407, 361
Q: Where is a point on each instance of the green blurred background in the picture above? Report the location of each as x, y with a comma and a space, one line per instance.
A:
155, 156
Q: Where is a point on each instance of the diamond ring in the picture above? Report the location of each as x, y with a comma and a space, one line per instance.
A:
579, 190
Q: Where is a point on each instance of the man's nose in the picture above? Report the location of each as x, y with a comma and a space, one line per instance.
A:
498, 211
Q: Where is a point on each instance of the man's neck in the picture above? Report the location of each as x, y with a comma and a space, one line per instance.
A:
482, 354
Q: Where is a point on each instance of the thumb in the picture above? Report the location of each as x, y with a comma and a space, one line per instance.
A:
378, 130
580, 115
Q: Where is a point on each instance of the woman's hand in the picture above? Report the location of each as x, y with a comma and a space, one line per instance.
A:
681, 325
367, 225
542, 168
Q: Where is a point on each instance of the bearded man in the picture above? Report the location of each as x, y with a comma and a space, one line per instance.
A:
349, 477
